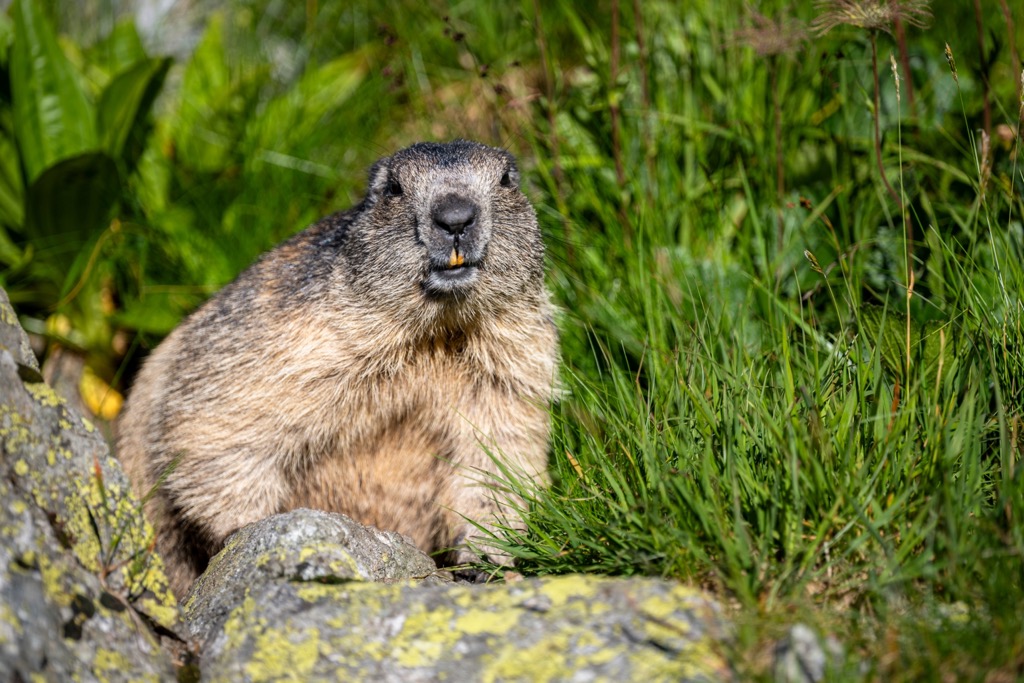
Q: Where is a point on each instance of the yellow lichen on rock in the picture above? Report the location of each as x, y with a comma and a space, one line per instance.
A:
43, 394
7, 314
280, 654
108, 503
108, 661
74, 543
10, 625
14, 432
476, 621
53, 575
286, 625
278, 657
546, 661
426, 637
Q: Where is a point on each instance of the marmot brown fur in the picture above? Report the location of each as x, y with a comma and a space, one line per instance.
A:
375, 364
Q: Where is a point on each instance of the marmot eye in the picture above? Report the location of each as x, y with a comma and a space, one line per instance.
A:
393, 189
506, 180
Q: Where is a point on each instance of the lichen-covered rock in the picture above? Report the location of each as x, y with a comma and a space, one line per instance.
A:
286, 600
302, 545
572, 628
82, 596
15, 341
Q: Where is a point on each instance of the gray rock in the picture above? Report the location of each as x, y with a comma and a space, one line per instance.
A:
289, 597
305, 546
81, 595
14, 340
801, 658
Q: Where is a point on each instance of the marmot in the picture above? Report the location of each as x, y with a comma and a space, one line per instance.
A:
374, 364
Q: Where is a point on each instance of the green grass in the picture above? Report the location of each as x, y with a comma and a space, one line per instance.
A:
741, 410
742, 413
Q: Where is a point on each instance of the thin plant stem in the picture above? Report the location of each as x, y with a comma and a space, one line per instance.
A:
556, 165
1016, 147
901, 44
1014, 54
645, 100
907, 236
876, 117
616, 116
620, 172
311, 12
780, 179
985, 87
978, 167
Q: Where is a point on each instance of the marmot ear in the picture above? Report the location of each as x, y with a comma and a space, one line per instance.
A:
379, 174
511, 176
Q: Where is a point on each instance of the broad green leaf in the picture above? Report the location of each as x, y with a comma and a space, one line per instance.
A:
156, 314
295, 115
212, 106
126, 101
52, 118
12, 188
70, 202
6, 39
120, 50
10, 255
150, 184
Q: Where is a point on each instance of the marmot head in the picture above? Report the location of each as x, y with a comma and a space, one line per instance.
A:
446, 229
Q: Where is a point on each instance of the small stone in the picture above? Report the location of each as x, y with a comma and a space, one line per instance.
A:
801, 658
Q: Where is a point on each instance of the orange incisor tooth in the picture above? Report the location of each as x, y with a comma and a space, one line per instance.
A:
456, 259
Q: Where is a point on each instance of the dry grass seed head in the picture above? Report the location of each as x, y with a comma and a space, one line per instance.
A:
952, 63
875, 15
1020, 114
895, 75
767, 37
986, 162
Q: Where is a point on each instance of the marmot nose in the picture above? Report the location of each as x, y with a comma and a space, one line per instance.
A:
454, 214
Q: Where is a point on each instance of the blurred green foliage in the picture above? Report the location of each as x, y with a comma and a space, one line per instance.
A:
67, 158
